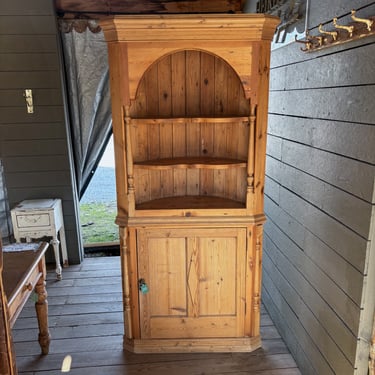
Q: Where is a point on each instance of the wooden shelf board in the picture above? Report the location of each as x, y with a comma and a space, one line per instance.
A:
190, 202
192, 120
191, 163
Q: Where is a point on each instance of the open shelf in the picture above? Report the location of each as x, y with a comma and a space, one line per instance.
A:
190, 202
191, 163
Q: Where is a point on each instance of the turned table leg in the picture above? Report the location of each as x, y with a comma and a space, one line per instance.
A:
63, 247
41, 307
55, 243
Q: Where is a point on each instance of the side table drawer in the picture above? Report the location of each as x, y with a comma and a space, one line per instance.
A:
35, 220
22, 294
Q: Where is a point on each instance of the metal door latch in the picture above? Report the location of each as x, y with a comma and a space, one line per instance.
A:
28, 95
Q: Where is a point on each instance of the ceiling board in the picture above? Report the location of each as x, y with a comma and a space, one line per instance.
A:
97, 8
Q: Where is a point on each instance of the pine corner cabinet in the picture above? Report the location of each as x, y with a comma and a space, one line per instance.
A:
189, 107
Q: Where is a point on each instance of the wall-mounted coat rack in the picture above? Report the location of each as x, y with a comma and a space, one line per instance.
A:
359, 28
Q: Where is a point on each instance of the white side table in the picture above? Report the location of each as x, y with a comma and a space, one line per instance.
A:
37, 218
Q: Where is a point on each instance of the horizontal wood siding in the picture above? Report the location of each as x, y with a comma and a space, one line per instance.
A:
34, 147
320, 199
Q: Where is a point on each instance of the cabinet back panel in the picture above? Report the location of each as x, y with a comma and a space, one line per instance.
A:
165, 140
154, 184
190, 83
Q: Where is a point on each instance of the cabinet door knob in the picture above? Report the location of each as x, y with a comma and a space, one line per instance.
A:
143, 288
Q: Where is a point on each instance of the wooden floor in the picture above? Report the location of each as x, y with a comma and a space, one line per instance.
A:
86, 322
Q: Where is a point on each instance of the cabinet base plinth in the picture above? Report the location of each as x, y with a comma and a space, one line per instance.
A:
219, 345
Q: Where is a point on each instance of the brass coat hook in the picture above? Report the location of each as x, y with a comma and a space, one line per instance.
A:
360, 28
332, 34
319, 40
316, 41
349, 29
362, 20
308, 44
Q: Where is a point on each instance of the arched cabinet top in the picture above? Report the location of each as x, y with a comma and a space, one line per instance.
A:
236, 38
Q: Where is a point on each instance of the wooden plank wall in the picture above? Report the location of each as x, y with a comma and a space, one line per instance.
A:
318, 254
34, 147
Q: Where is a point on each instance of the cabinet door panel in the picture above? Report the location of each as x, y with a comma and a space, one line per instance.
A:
217, 276
166, 270
196, 280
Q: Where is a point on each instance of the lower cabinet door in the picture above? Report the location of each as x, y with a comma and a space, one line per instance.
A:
192, 282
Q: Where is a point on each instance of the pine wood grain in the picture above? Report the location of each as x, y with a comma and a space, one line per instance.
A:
214, 304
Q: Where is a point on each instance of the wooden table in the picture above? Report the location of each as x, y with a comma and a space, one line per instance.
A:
24, 271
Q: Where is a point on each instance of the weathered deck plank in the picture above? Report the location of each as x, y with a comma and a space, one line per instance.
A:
88, 328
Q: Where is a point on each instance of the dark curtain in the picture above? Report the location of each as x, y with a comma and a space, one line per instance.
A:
5, 218
87, 75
